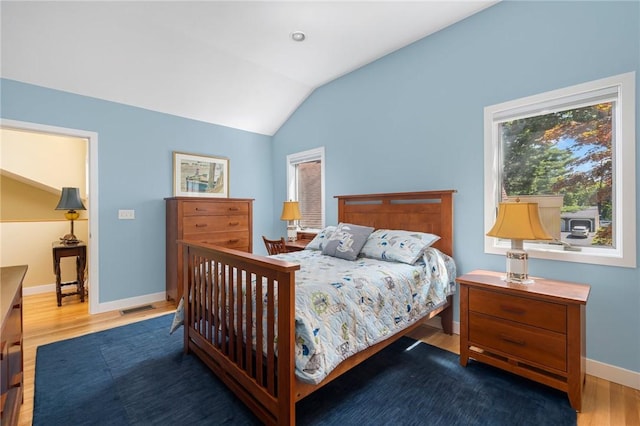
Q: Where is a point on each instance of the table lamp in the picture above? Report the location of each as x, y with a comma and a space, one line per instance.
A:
518, 222
291, 213
70, 201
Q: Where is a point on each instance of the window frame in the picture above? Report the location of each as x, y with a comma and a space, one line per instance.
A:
315, 154
624, 158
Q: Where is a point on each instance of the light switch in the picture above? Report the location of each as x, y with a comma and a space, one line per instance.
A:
126, 214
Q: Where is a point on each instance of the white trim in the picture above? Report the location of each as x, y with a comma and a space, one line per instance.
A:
39, 289
92, 195
624, 197
302, 157
613, 374
131, 302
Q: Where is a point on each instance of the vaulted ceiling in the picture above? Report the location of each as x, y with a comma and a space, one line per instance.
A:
231, 63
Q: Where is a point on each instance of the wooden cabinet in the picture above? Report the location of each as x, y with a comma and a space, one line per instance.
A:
11, 355
226, 222
534, 330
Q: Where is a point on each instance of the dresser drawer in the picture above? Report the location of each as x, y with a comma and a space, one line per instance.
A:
235, 240
542, 347
537, 313
203, 208
206, 224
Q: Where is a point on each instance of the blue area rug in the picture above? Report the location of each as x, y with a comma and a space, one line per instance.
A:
137, 375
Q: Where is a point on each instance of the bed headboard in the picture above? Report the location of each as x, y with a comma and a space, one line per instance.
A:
425, 211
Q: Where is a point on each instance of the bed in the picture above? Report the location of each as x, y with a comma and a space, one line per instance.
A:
224, 284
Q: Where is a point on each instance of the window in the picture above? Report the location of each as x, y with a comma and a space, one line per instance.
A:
305, 184
573, 152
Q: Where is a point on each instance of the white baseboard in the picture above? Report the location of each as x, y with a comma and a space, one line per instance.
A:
594, 368
132, 302
613, 374
116, 305
38, 289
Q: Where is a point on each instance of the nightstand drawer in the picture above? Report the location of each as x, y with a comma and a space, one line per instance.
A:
537, 313
204, 224
542, 347
203, 208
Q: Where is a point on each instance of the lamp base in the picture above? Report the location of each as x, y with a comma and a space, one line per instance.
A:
69, 240
517, 265
292, 233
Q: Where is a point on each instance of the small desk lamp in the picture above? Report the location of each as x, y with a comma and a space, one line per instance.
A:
70, 200
518, 222
291, 213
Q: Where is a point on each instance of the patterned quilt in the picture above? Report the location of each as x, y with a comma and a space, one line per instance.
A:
343, 307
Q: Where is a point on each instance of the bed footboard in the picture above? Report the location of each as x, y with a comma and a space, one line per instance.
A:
221, 315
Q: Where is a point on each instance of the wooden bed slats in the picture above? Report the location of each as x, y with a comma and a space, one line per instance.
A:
231, 303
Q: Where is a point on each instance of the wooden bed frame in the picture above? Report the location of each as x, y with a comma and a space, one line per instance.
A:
267, 383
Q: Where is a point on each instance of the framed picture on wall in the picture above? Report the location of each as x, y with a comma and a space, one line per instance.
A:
200, 175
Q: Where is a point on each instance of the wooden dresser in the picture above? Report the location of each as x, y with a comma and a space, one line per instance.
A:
534, 330
12, 355
227, 222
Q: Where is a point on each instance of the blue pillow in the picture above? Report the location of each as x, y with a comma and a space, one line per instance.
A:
321, 237
346, 241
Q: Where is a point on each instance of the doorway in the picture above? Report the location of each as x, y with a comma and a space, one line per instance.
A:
91, 173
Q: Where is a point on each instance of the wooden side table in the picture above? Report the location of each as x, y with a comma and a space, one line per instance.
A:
303, 238
534, 330
296, 245
61, 250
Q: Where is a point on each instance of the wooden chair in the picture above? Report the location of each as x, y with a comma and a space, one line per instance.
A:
275, 246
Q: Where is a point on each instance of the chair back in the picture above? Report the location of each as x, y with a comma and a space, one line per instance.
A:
275, 246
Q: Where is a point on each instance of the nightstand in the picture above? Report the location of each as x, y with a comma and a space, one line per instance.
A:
534, 330
296, 245
303, 238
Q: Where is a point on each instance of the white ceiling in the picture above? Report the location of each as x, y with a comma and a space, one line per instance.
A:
229, 63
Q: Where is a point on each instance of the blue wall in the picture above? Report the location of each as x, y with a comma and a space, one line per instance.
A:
410, 121
136, 172
413, 120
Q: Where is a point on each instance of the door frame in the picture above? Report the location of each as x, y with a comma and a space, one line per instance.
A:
92, 173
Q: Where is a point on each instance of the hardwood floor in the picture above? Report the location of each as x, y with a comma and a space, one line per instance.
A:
604, 403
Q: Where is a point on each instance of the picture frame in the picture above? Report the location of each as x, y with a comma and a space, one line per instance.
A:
196, 175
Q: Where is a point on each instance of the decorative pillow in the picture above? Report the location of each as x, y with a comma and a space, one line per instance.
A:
346, 241
178, 317
321, 238
397, 245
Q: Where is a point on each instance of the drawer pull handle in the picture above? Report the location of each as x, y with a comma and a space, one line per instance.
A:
16, 306
201, 225
234, 241
512, 309
234, 223
199, 209
233, 209
512, 340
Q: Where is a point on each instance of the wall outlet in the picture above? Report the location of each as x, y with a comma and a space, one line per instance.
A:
126, 214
